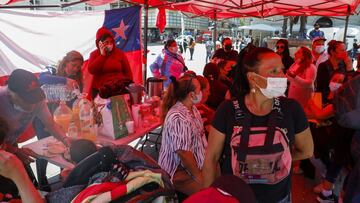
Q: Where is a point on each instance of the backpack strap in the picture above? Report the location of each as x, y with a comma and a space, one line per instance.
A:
244, 120
274, 120
246, 124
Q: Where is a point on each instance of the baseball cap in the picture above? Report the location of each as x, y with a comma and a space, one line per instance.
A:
318, 38
26, 85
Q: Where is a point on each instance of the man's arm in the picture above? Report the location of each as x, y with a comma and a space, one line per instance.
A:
54, 129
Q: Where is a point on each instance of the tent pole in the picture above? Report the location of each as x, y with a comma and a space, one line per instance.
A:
146, 5
215, 30
346, 24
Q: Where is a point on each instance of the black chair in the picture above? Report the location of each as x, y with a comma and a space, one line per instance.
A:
156, 142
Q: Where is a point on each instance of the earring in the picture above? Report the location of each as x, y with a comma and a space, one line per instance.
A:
253, 90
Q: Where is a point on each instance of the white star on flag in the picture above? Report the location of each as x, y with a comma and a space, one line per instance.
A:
120, 31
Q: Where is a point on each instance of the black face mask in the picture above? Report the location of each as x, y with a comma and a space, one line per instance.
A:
228, 47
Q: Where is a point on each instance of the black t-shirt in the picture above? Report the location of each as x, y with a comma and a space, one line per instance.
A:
324, 73
229, 56
294, 121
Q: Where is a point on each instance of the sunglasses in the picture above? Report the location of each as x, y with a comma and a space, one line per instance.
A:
280, 47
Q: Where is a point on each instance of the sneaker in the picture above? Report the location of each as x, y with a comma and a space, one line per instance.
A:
319, 188
326, 199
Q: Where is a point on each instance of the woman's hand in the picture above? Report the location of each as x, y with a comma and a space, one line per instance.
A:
291, 74
102, 48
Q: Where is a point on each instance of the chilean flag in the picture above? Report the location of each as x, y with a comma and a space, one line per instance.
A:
32, 40
125, 25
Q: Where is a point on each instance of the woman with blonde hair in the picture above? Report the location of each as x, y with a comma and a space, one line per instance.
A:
302, 75
67, 73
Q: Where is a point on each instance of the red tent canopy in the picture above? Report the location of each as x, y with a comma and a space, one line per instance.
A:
221, 9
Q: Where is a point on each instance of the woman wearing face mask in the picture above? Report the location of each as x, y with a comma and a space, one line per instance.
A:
258, 111
168, 63
336, 141
282, 48
318, 51
107, 63
338, 61
183, 140
301, 76
226, 52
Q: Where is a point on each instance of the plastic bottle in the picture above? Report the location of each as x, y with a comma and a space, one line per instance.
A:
87, 127
63, 115
73, 131
81, 98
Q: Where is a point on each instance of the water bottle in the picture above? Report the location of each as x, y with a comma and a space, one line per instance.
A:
81, 98
63, 116
73, 131
87, 124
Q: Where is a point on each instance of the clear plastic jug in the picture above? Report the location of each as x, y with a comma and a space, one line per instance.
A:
63, 116
87, 124
81, 98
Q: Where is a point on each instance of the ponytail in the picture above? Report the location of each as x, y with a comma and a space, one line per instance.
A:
177, 91
169, 98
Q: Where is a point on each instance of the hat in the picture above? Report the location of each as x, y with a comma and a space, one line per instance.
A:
318, 38
26, 85
101, 32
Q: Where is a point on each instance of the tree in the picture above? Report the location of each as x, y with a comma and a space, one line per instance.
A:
303, 20
284, 27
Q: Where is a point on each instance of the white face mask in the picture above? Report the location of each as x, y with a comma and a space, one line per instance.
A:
275, 87
320, 49
198, 98
334, 86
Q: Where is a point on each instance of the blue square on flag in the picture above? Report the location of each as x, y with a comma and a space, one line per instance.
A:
125, 25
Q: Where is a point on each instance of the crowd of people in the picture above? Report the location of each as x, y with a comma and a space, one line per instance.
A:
251, 121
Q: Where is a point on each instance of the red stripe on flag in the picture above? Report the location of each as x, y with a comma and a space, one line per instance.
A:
135, 61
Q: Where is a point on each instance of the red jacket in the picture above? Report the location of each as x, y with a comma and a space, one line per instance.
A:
114, 66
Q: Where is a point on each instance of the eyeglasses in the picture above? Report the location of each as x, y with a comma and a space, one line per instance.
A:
280, 47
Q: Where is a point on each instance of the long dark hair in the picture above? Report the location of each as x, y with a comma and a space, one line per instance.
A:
251, 62
177, 91
286, 52
238, 78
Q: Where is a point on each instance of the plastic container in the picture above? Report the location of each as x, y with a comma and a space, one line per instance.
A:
63, 116
81, 98
87, 124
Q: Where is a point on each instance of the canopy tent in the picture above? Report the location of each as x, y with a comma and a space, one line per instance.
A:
222, 9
